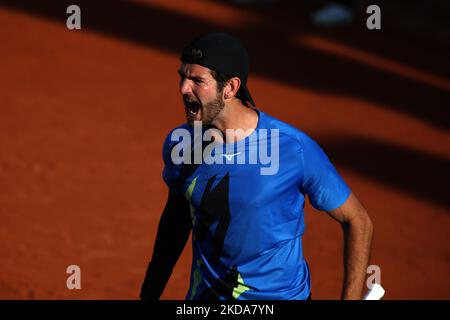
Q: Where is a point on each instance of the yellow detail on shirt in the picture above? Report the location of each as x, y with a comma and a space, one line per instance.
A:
241, 287
188, 196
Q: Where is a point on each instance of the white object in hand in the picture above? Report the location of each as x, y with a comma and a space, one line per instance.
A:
376, 293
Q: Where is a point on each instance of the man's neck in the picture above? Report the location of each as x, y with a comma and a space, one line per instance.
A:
238, 118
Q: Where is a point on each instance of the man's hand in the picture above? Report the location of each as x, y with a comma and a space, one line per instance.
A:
358, 230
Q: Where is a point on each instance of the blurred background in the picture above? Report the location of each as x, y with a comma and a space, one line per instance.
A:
83, 114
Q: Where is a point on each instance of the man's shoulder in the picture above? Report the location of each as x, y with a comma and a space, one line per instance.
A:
179, 130
286, 130
183, 126
174, 136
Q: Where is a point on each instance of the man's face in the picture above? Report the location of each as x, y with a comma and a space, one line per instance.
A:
202, 101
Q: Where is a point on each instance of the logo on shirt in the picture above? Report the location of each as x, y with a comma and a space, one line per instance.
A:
230, 156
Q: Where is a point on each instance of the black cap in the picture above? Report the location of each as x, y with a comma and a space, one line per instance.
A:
222, 53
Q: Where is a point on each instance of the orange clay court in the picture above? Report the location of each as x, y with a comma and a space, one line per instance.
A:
83, 115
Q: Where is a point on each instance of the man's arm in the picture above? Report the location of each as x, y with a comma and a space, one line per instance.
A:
173, 231
358, 229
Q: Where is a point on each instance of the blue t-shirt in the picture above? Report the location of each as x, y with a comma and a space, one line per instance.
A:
248, 217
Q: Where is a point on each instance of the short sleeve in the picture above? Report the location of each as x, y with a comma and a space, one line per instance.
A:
171, 171
321, 182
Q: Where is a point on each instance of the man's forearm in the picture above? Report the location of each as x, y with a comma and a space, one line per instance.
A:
173, 231
357, 246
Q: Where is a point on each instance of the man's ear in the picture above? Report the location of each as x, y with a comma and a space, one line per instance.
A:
231, 88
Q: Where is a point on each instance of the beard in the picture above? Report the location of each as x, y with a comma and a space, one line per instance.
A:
207, 112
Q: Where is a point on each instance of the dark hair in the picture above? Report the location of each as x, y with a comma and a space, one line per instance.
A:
222, 79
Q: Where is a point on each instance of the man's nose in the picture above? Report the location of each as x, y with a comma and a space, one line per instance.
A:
185, 86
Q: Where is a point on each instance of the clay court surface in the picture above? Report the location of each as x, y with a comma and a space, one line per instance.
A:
83, 115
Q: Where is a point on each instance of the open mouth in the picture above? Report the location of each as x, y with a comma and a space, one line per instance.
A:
192, 107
